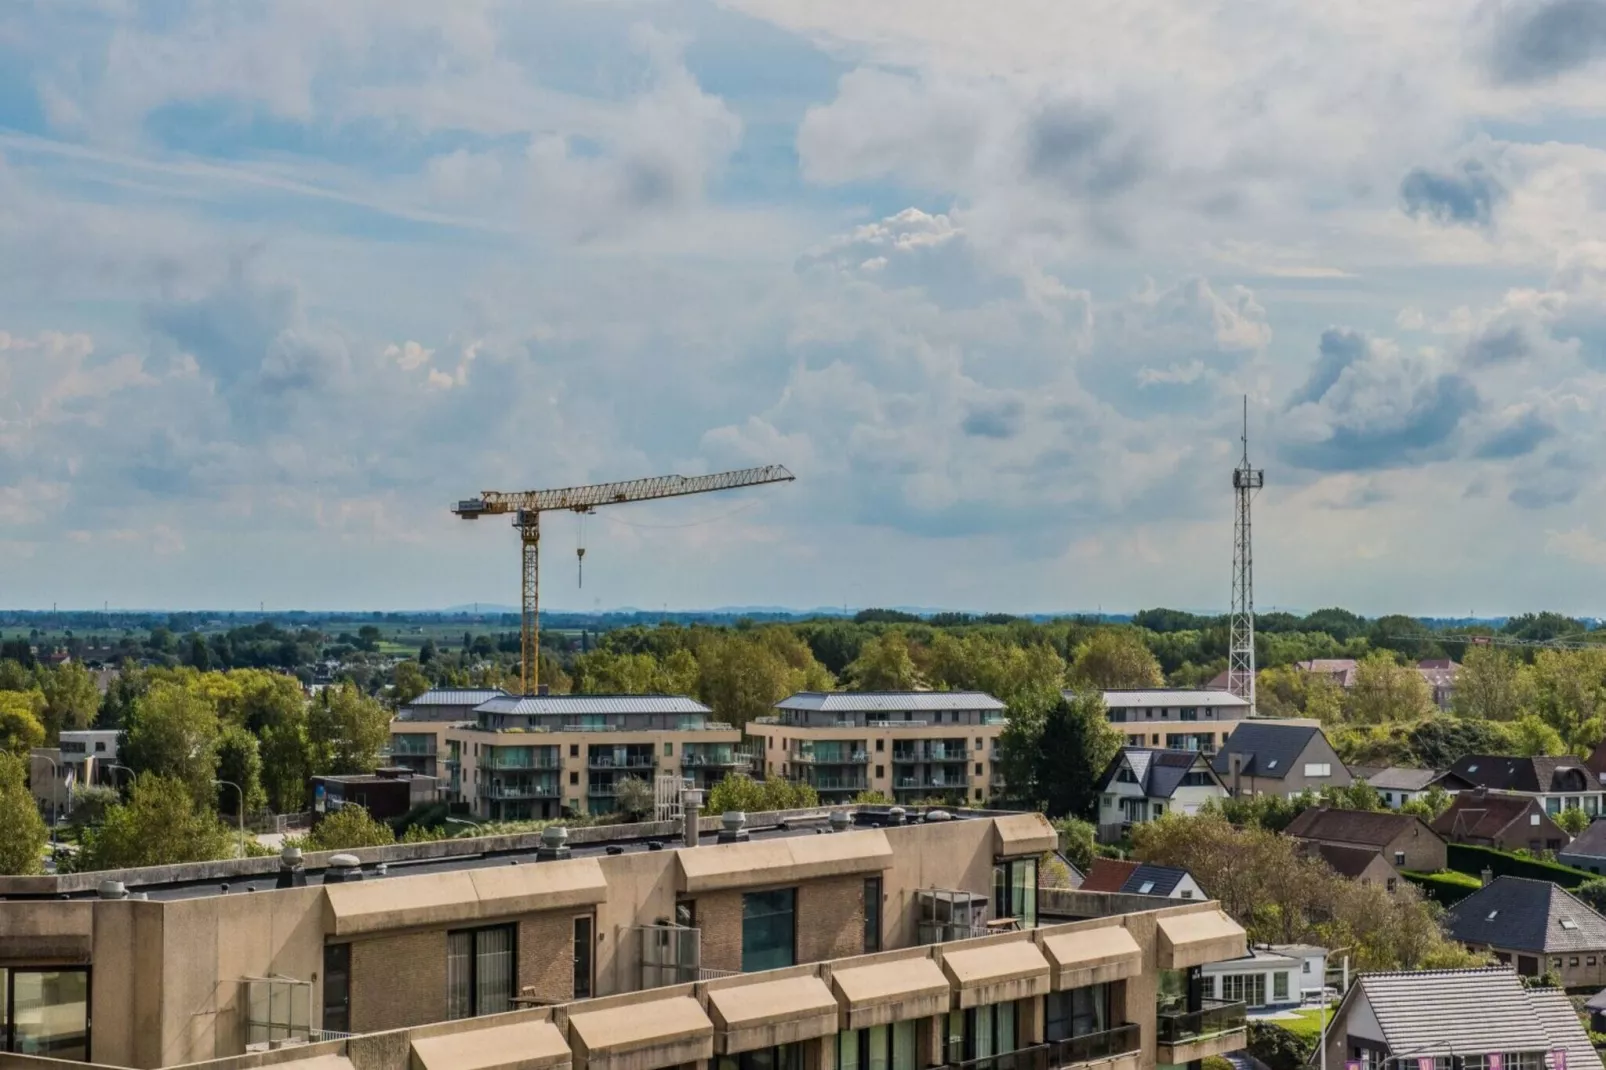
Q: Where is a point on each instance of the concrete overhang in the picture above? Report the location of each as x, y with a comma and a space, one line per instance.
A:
749, 1017
1200, 937
520, 1046
783, 861
642, 1035
402, 902
1093, 956
996, 972
1016, 835
893, 991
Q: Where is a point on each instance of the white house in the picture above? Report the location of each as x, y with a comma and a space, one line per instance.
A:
1398, 785
1271, 975
1142, 783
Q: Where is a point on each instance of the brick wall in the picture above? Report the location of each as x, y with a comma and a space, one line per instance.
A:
546, 955
1423, 850
398, 981
719, 916
830, 922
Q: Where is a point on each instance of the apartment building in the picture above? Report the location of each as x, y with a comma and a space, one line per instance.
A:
80, 757
545, 756
790, 942
908, 745
418, 732
1174, 719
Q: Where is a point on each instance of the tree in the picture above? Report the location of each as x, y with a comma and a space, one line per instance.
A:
410, 682
22, 831
1491, 686
633, 796
1019, 676
884, 664
286, 761
1440, 742
348, 827
1056, 759
1593, 892
1077, 841
1569, 693
1530, 736
1386, 691
1572, 821
346, 731
1428, 805
871, 797
125, 689
71, 698
239, 761
741, 792
20, 727
90, 803
1114, 658
741, 676
173, 732
160, 825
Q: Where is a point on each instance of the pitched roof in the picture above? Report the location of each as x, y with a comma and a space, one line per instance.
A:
1560, 1021
1399, 778
1499, 772
1159, 772
1527, 915
1370, 828
579, 704
1484, 816
1473, 1012
888, 701
1348, 862
445, 703
1590, 843
1269, 750
1108, 875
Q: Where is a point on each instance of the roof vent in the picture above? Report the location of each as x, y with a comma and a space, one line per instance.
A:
654, 845
113, 890
292, 874
343, 868
615, 849
840, 820
224, 887
554, 844
733, 827
381, 869
897, 816
939, 815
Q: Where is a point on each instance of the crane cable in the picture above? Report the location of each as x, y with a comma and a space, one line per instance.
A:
688, 524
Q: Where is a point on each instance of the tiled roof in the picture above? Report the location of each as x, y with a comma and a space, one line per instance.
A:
1158, 880
1371, 828
1159, 772
1163, 698
1399, 778
1470, 1012
1108, 875
889, 701
1482, 817
1499, 772
1269, 750
1514, 913
1589, 844
1348, 862
583, 704
1555, 1013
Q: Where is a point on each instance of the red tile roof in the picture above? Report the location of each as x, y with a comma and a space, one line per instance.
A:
1108, 875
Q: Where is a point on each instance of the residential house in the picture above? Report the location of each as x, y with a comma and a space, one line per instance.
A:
1364, 864
1403, 840
1588, 849
1282, 759
1456, 1018
1494, 819
1174, 718
1537, 926
909, 745
1558, 783
1397, 784
1138, 878
1271, 976
80, 757
1141, 784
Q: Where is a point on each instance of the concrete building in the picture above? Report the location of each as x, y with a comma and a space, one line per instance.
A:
82, 757
790, 941
544, 756
1174, 719
418, 732
908, 745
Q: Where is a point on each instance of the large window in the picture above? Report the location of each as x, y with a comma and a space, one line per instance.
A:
1076, 1012
781, 1057
45, 1012
337, 987
583, 945
1247, 988
981, 1032
1015, 891
277, 1009
769, 929
880, 1047
872, 914
479, 971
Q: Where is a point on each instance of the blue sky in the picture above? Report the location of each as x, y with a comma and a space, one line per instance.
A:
283, 280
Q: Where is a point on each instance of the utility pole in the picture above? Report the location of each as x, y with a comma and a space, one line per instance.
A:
1246, 481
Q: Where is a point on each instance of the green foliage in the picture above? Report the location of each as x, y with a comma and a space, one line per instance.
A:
1022, 677
1593, 892
871, 797
1429, 805
408, 683
160, 825
239, 762
1472, 860
633, 797
1445, 888
741, 792
1052, 872
1572, 821
884, 664
1115, 658
71, 698
1266, 811
22, 831
1386, 692
346, 731
1055, 759
1077, 841
172, 732
1492, 685
348, 827
90, 802
1216, 1062
20, 727
1279, 1048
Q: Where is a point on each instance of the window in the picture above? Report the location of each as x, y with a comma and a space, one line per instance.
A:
574, 778
1015, 891
574, 750
769, 929
982, 1032
1399, 858
479, 971
45, 1012
1126, 776
1304, 967
978, 769
881, 1047
100, 746
1533, 819
1391, 884
872, 914
1279, 986
1318, 769
880, 770
880, 745
780, 1057
1076, 1012
1186, 893
1248, 988
1590, 961
1555, 964
1573, 961
277, 1009
337, 987
669, 750
583, 945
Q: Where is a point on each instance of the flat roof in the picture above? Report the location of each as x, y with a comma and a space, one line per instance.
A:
1165, 698
889, 701
588, 704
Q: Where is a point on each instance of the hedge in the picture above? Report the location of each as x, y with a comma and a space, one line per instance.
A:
1473, 860
1446, 889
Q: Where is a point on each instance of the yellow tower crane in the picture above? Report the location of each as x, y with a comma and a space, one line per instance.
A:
527, 507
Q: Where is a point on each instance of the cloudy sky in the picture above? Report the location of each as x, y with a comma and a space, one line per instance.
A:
281, 281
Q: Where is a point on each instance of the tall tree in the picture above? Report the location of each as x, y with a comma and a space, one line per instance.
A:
1492, 685
286, 754
346, 731
20, 727
71, 698
1115, 658
22, 831
173, 732
1055, 759
239, 761
160, 825
1386, 691
884, 664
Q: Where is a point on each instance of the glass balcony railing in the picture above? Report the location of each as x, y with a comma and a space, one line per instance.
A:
520, 789
1214, 1019
521, 758
832, 756
412, 746
839, 783
1094, 1046
621, 761
1033, 1058
714, 757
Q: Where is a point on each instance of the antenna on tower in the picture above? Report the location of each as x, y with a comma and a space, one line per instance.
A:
1241, 648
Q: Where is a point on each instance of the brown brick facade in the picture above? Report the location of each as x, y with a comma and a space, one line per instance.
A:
830, 922
546, 956
719, 916
398, 981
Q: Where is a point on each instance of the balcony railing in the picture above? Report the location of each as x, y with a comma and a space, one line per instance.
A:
832, 757
412, 746
631, 761
499, 759
950, 754
837, 783
1033, 1058
1085, 1049
715, 758
534, 790
1214, 1019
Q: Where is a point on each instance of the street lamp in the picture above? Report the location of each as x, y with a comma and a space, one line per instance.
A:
124, 768
1321, 1040
240, 812
55, 807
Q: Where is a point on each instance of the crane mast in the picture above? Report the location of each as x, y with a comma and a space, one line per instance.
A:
526, 508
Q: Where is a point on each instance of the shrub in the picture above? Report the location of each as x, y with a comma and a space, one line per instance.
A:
348, 827
1277, 1047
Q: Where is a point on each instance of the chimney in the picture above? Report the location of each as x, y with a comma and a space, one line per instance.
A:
343, 869
733, 830
543, 690
291, 872
1486, 878
691, 816
1236, 762
554, 844
1481, 791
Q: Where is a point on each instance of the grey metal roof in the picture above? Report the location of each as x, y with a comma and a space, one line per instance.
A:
1269, 750
1470, 1012
1589, 846
1167, 698
583, 704
1518, 914
889, 701
1399, 778
455, 697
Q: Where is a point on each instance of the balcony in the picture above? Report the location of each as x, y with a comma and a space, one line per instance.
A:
412, 746
533, 789
831, 757
906, 755
1188, 1035
616, 761
1096, 1047
837, 783
502, 758
727, 759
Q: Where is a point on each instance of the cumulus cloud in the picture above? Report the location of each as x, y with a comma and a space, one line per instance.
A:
1466, 195
1539, 39
1517, 439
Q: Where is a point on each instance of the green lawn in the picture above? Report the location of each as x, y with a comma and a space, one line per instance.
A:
1307, 1022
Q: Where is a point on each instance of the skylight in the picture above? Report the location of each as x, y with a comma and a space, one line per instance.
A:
1492, 915
1146, 887
1568, 924
1272, 764
1473, 768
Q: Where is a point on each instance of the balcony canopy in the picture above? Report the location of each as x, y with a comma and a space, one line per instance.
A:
521, 1046
1093, 956
783, 861
891, 991
643, 1034
466, 895
1199, 937
751, 1016
996, 972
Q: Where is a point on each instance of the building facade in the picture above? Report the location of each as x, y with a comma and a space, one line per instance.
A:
81, 757
418, 732
908, 745
1174, 719
1282, 759
1143, 784
1270, 977
544, 756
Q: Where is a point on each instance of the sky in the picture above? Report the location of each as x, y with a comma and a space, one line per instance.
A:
281, 281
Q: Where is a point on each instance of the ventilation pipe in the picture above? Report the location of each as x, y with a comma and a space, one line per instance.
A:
554, 844
292, 874
734, 830
897, 816
691, 813
343, 869
113, 890
840, 820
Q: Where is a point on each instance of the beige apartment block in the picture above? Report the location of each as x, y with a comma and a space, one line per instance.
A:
1174, 718
547, 756
909, 745
563, 951
418, 731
